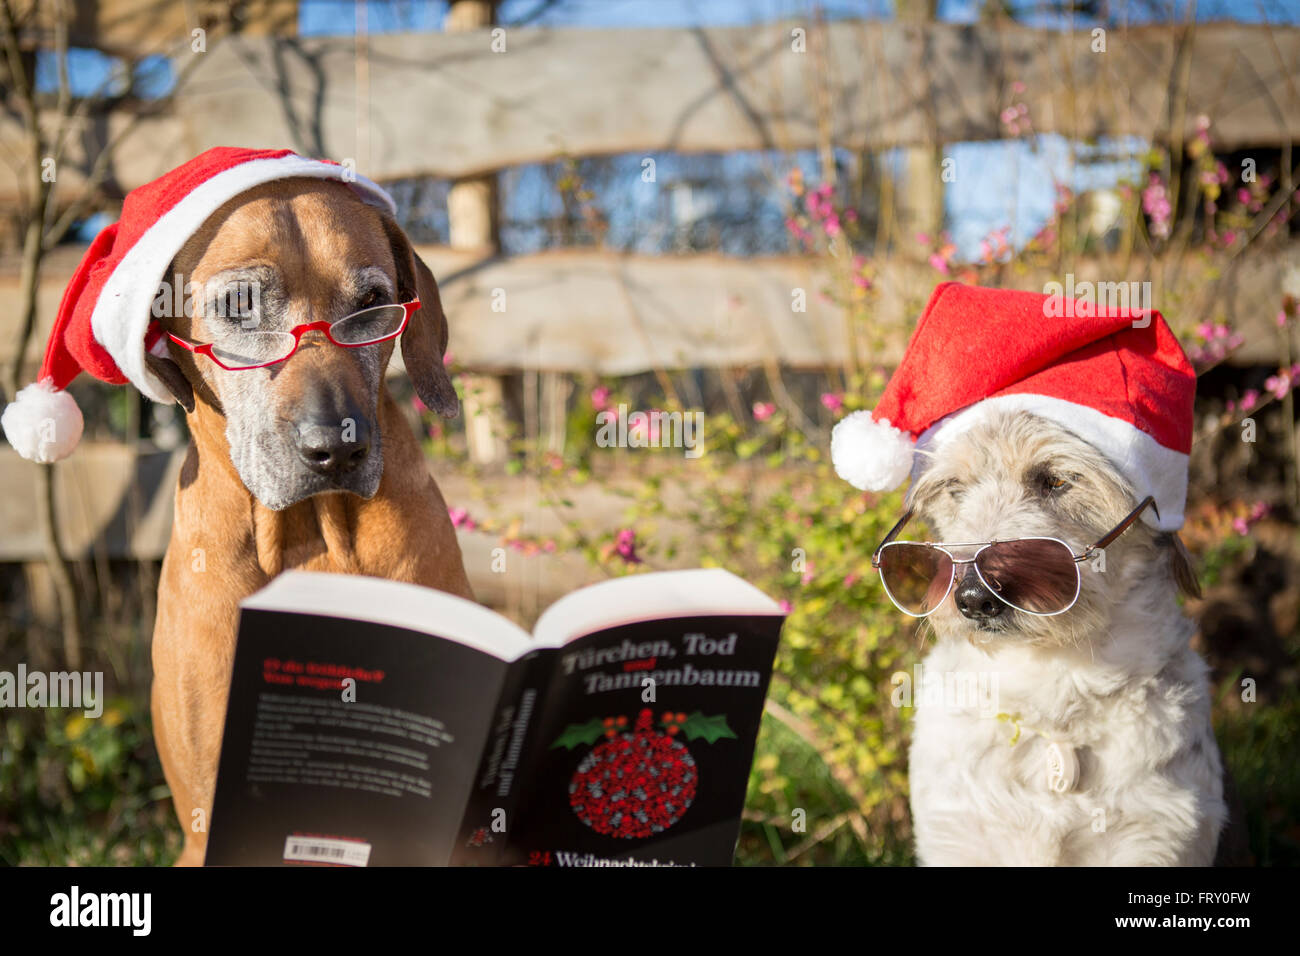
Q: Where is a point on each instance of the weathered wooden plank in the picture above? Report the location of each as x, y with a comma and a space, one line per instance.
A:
136, 28
582, 311
93, 490
445, 104
106, 497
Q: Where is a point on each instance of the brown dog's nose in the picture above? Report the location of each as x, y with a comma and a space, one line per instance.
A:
975, 601
334, 448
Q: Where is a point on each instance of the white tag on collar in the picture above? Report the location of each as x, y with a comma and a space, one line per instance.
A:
1062, 767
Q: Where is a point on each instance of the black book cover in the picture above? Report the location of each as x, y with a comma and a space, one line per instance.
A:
388, 772
643, 750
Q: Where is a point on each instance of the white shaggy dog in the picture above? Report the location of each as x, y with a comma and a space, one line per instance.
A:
1111, 704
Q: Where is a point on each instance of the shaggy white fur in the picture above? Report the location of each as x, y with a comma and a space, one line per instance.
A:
1113, 682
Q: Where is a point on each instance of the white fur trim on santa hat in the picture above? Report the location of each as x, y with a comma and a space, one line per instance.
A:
870, 455
1150, 467
42, 423
123, 310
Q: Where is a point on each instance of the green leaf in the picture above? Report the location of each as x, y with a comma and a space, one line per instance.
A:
575, 734
710, 728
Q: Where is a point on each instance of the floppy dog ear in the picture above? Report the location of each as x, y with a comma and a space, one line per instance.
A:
425, 340
1180, 560
173, 378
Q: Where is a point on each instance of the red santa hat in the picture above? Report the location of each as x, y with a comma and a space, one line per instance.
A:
103, 323
1116, 378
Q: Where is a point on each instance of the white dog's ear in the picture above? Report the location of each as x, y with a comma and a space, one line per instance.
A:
1183, 566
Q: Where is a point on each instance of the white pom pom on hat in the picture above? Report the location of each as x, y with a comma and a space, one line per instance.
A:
103, 326
871, 455
1116, 378
43, 423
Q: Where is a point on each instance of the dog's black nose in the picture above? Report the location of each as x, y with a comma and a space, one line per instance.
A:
975, 601
333, 448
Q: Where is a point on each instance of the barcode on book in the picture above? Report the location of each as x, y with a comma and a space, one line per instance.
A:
324, 850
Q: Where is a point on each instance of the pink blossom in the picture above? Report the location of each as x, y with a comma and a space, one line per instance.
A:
850, 580
939, 262
1278, 385
1240, 526
625, 545
807, 574
1155, 203
786, 607
832, 401
1249, 400
460, 519
763, 411
600, 398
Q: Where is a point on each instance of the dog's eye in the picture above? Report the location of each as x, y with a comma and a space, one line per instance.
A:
1051, 483
372, 297
238, 303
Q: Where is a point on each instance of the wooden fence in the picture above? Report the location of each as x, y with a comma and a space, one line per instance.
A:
462, 106
446, 104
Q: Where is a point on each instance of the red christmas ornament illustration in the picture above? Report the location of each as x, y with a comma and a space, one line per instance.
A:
637, 783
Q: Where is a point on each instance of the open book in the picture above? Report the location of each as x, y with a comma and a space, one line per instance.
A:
377, 723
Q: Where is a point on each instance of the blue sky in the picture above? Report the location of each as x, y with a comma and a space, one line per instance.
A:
998, 184
334, 16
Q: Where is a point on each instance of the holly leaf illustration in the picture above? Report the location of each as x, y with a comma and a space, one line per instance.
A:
575, 734
710, 728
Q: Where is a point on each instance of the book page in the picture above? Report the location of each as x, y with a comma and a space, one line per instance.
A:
641, 597
348, 743
395, 603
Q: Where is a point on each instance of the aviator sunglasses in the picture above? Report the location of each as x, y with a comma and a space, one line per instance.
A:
1035, 575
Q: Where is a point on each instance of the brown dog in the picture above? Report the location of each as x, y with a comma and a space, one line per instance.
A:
305, 464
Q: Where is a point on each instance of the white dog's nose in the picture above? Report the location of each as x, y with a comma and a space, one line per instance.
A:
974, 600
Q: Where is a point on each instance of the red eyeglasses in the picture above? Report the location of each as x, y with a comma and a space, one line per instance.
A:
239, 349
